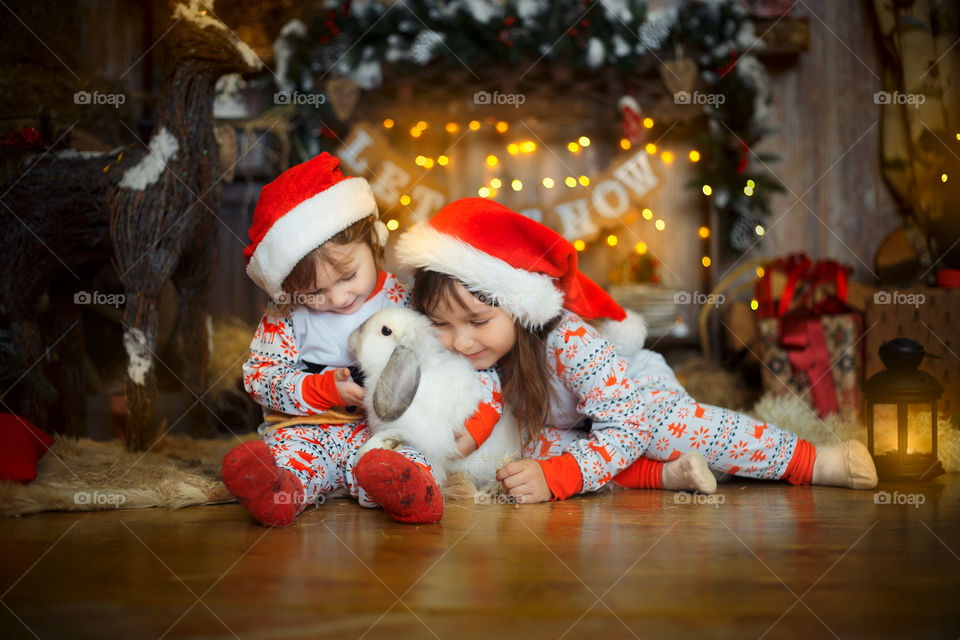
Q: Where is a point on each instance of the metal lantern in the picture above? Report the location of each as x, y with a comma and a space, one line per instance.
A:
903, 385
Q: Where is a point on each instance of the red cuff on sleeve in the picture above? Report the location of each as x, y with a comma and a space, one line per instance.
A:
563, 475
320, 391
480, 424
800, 468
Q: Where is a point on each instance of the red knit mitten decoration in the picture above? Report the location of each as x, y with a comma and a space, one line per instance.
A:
642, 474
21, 447
405, 489
272, 495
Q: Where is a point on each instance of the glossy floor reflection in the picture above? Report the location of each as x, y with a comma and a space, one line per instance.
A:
760, 560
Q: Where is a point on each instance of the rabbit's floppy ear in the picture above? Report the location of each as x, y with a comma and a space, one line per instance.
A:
397, 384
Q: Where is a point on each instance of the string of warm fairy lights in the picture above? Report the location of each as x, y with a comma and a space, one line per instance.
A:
526, 147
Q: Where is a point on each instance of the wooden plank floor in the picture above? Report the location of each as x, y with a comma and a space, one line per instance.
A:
764, 560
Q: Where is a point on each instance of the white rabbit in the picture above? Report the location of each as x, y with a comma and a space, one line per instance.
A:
420, 394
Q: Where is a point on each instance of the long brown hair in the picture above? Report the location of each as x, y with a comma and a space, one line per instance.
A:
303, 276
524, 372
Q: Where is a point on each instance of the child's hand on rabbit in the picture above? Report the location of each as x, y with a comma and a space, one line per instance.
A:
465, 443
525, 481
351, 393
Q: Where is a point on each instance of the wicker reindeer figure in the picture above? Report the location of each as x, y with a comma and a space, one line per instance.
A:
154, 212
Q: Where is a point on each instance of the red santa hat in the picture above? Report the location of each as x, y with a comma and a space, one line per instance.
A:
526, 268
304, 207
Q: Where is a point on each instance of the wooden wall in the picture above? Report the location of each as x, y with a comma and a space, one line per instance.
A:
829, 142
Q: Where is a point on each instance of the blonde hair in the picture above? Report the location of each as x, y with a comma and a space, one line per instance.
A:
303, 276
525, 374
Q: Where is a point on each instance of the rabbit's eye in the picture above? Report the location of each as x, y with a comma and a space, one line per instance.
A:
385, 330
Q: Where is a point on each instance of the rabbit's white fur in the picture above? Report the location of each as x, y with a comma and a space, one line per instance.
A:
448, 393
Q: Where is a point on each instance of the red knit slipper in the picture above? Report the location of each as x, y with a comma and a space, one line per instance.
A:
272, 495
405, 489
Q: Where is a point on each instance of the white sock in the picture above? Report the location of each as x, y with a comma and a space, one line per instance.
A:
689, 472
847, 464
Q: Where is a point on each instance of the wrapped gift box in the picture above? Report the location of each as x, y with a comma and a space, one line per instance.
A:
811, 335
839, 374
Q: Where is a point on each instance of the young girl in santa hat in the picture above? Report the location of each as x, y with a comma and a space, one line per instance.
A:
317, 248
505, 291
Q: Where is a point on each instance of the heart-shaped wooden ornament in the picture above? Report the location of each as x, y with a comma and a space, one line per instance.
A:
344, 94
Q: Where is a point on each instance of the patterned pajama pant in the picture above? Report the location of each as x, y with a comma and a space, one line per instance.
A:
323, 457
731, 442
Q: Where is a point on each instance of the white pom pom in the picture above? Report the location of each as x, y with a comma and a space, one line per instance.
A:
628, 335
383, 234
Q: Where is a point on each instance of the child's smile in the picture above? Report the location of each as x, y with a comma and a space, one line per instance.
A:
481, 332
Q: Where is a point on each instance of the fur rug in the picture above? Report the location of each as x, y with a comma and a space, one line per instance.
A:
86, 475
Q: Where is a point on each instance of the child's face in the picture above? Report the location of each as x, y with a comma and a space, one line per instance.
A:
481, 332
343, 291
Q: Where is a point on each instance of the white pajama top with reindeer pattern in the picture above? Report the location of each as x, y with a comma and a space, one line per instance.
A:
636, 407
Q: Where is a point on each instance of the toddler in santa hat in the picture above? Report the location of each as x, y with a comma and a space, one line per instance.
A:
505, 291
316, 247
